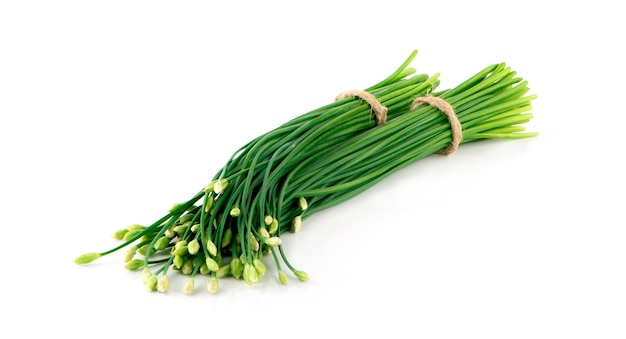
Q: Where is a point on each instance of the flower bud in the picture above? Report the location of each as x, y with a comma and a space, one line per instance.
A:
223, 271
204, 270
193, 247
254, 244
283, 278
163, 284
178, 262
250, 274
134, 264
236, 268
143, 250
274, 226
213, 285
185, 218
130, 253
264, 233
131, 234
174, 207
259, 266
303, 204
235, 212
145, 274
162, 243
169, 233
135, 227
195, 227
208, 205
220, 186
189, 287
296, 225
302, 276
273, 241
187, 267
268, 220
210, 246
212, 265
87, 258
179, 250
151, 283
209, 187
119, 234
227, 238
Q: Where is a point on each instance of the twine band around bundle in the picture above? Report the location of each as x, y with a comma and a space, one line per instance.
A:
448, 111
380, 111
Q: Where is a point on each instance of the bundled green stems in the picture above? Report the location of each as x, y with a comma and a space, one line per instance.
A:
315, 161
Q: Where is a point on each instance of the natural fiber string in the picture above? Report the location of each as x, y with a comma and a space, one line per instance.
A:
380, 111
448, 111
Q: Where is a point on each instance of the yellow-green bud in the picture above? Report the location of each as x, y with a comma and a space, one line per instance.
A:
204, 270
264, 233
134, 264
187, 267
268, 220
151, 283
209, 187
212, 265
189, 287
303, 203
193, 247
302, 276
195, 227
236, 268
259, 266
296, 225
162, 243
235, 212
223, 271
208, 205
163, 284
179, 250
213, 285
273, 241
250, 274
131, 234
135, 227
180, 229
174, 207
274, 226
143, 250
169, 233
227, 238
210, 246
130, 253
145, 274
185, 218
220, 186
119, 234
178, 262
87, 258
282, 277
254, 244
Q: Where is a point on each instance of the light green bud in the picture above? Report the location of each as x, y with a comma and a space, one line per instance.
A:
235, 212
227, 238
303, 203
130, 253
273, 241
268, 220
178, 262
208, 205
187, 267
119, 234
302, 276
259, 266
87, 258
135, 227
131, 234
180, 229
211, 248
151, 283
223, 271
209, 187
250, 274
220, 186
143, 250
134, 264
163, 284
254, 244
204, 270
169, 233
195, 227
213, 285
282, 277
189, 287
145, 274
162, 243
185, 218
193, 247
236, 268
212, 265
274, 226
179, 250
264, 233
296, 225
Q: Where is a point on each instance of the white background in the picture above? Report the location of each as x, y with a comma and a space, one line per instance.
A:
112, 111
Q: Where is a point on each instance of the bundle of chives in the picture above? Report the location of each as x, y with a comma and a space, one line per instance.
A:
310, 163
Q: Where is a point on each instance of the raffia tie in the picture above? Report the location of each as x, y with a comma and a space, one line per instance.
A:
448, 111
380, 111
